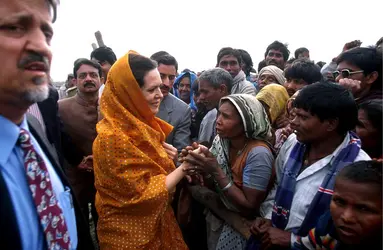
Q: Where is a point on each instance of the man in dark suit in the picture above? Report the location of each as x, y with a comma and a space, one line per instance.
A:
46, 113
172, 110
37, 208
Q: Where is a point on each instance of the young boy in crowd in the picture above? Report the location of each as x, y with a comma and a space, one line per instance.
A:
355, 217
300, 73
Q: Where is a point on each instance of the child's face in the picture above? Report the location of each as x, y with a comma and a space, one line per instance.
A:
356, 209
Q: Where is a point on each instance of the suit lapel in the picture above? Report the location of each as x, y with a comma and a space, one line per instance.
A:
45, 145
47, 107
165, 110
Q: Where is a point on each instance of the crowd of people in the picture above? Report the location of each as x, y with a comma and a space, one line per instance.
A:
133, 153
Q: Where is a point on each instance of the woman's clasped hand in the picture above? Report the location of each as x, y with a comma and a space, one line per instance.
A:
197, 161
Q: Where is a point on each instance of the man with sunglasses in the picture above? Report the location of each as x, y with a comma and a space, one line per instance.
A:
360, 70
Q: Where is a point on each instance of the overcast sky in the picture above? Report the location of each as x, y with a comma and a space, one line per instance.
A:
194, 31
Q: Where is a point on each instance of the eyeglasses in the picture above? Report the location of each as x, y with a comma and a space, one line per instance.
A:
346, 73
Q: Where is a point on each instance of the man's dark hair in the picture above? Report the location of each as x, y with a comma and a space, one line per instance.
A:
229, 51
290, 61
159, 54
188, 70
83, 61
246, 59
195, 86
104, 54
329, 101
79, 59
276, 45
163, 57
374, 112
364, 172
303, 69
367, 59
300, 51
70, 77
261, 65
321, 64
140, 66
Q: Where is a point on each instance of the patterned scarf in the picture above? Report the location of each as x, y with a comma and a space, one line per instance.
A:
321, 201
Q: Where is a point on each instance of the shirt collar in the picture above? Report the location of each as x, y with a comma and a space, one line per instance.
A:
9, 133
341, 146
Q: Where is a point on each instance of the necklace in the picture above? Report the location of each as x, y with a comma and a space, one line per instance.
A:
234, 154
240, 151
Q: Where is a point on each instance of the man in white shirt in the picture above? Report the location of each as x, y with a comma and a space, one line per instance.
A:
307, 163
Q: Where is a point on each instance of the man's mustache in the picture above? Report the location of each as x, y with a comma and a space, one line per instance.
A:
164, 87
33, 57
92, 84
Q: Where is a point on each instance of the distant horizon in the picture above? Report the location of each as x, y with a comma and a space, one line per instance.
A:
214, 26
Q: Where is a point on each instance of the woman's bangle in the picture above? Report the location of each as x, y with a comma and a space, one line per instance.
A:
227, 186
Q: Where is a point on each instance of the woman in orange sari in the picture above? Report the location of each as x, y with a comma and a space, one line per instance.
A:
135, 175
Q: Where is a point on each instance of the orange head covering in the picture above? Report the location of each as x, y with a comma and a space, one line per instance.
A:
122, 100
130, 167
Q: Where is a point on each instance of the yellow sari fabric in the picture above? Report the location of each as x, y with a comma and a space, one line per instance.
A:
130, 167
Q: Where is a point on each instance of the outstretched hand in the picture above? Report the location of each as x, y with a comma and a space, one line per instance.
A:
171, 151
